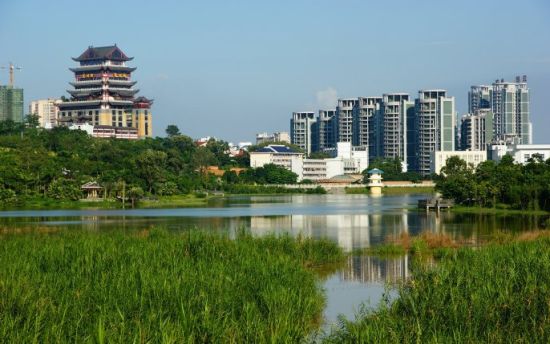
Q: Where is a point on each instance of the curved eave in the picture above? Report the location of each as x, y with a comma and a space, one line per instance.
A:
121, 102
101, 68
121, 82
76, 59
85, 83
80, 93
80, 103
128, 91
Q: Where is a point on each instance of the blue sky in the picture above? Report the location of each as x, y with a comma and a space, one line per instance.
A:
233, 68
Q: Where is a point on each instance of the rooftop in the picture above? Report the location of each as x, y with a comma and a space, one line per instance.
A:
276, 149
111, 52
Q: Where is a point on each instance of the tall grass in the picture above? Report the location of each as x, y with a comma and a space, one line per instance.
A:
494, 294
159, 287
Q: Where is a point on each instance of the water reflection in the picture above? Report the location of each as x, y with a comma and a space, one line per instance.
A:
352, 221
367, 269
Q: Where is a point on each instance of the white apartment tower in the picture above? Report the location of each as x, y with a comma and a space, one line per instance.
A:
510, 105
324, 131
433, 128
301, 130
394, 125
476, 130
479, 97
46, 110
366, 122
344, 115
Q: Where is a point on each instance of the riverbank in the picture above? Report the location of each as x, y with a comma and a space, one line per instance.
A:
397, 190
155, 286
187, 200
174, 201
499, 210
497, 293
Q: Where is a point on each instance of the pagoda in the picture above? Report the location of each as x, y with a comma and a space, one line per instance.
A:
103, 93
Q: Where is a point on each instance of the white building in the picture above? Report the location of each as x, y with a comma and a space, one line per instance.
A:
439, 158
346, 160
87, 127
279, 155
46, 110
318, 169
520, 153
279, 136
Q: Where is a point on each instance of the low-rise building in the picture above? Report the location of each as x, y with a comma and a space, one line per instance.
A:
520, 153
106, 131
279, 155
439, 158
280, 136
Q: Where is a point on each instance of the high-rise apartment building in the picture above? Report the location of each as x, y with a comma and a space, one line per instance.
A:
510, 105
46, 110
476, 130
395, 109
432, 128
324, 131
301, 131
344, 118
366, 124
103, 93
479, 97
11, 103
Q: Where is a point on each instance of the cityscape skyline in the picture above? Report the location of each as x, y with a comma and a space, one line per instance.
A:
238, 68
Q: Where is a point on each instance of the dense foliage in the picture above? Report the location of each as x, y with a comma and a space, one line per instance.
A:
153, 286
53, 164
393, 170
525, 187
497, 294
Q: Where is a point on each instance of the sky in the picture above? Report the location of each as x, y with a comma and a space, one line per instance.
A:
231, 69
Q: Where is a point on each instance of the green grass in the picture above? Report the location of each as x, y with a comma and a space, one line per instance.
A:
173, 201
499, 210
159, 287
495, 294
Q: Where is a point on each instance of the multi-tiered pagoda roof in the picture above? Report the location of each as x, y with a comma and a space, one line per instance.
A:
102, 79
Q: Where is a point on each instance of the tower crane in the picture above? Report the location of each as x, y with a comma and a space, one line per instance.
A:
11, 68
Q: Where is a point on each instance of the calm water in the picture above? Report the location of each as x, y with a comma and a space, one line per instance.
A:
352, 221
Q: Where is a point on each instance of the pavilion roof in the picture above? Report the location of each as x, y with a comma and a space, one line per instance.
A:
111, 52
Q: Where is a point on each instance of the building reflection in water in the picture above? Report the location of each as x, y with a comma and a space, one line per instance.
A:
367, 269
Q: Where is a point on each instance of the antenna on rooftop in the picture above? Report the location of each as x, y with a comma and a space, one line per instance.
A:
11, 68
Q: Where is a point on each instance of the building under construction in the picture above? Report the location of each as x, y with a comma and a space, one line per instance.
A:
103, 93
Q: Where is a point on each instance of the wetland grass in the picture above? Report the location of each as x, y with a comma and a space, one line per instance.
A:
498, 293
153, 286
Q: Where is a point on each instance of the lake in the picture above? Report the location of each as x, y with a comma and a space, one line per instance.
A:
352, 221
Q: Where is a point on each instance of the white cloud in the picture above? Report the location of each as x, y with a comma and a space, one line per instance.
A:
327, 99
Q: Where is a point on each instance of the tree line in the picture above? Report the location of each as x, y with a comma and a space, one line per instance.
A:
53, 164
490, 184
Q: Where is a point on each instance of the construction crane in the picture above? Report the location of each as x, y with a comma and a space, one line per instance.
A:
11, 67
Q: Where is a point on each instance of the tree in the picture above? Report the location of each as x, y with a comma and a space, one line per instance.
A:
172, 130
457, 181
134, 194
150, 165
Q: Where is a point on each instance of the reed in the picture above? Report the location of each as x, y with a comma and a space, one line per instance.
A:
153, 286
493, 294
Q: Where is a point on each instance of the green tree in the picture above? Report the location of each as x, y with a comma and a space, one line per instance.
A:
150, 164
172, 130
457, 181
134, 193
